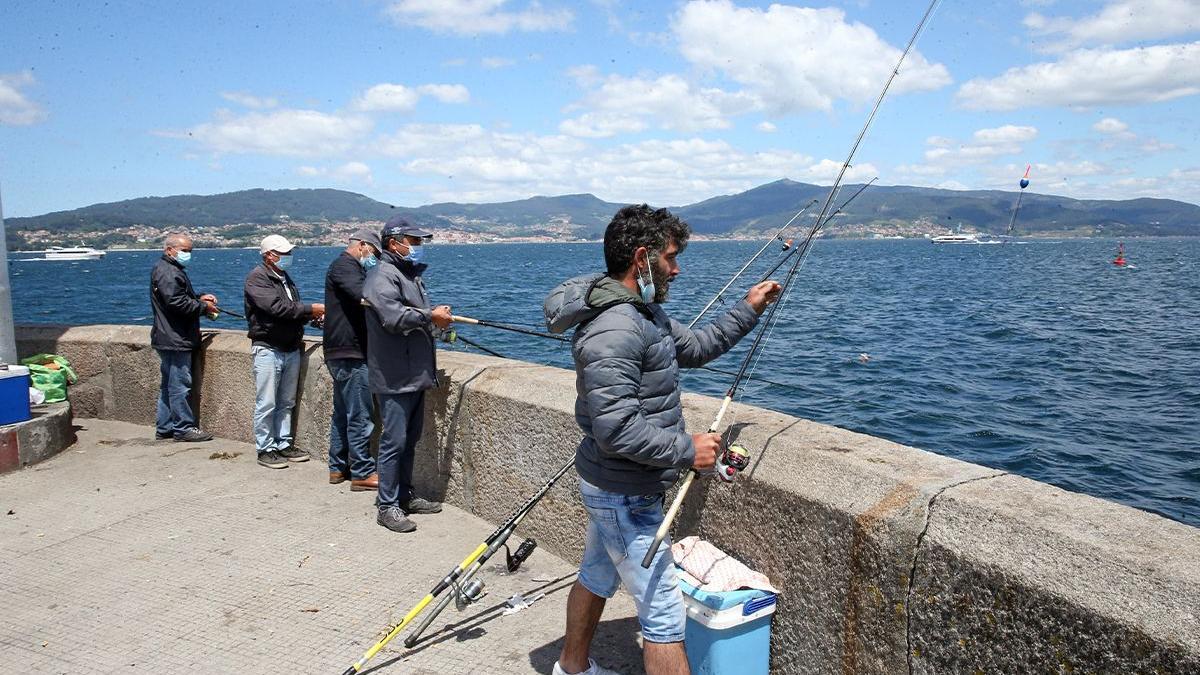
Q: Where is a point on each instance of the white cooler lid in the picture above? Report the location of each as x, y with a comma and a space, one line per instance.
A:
13, 371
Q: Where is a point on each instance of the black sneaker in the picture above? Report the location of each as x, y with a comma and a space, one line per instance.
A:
423, 506
394, 519
160, 436
193, 435
272, 460
293, 455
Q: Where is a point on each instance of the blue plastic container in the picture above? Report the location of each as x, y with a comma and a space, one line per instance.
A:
14, 395
728, 633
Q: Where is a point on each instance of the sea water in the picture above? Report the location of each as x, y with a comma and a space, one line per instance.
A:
1038, 358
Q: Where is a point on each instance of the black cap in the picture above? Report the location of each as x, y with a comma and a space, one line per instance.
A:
401, 227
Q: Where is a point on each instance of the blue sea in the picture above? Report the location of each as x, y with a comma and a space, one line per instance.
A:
1038, 358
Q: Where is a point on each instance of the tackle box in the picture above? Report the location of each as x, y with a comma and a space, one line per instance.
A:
14, 394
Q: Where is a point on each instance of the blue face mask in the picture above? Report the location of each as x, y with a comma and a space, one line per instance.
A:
646, 289
183, 257
284, 262
415, 254
368, 262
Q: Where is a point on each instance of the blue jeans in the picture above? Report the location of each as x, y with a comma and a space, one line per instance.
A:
620, 531
174, 407
403, 417
351, 426
275, 376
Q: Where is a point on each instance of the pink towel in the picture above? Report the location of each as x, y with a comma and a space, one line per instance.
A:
715, 569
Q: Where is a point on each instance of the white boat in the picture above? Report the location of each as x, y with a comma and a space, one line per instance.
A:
956, 239
73, 253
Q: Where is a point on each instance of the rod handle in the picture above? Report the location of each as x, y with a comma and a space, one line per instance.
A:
669, 518
463, 319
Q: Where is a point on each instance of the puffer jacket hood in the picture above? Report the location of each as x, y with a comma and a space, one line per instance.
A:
627, 357
583, 298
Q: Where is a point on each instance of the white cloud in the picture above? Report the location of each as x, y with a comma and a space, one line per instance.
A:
472, 17
249, 100
1111, 125
15, 108
297, 133
781, 55
766, 127
1091, 77
467, 162
624, 104
387, 98
985, 146
446, 93
1119, 21
495, 62
350, 172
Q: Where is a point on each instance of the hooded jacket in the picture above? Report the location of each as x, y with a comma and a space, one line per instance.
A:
345, 331
400, 352
176, 306
627, 359
274, 313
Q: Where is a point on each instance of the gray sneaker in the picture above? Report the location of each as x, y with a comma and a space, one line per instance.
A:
193, 435
272, 460
394, 519
293, 455
422, 506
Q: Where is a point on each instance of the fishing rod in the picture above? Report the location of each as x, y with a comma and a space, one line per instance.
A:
478, 346
818, 224
470, 565
777, 235
734, 458
235, 315
504, 326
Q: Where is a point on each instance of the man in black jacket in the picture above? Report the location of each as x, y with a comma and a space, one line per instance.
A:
175, 335
276, 317
345, 347
402, 360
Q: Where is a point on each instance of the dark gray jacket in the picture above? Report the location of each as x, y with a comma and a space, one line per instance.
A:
177, 308
627, 360
274, 313
400, 352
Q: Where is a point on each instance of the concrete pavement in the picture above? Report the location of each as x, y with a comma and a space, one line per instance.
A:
125, 554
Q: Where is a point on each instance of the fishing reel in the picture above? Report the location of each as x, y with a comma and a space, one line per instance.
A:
468, 593
732, 461
514, 560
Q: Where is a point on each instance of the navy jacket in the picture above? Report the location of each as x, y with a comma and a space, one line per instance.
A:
274, 312
345, 332
177, 308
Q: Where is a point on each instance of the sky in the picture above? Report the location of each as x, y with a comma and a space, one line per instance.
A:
419, 101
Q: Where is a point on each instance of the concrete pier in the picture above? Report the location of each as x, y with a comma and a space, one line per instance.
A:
891, 559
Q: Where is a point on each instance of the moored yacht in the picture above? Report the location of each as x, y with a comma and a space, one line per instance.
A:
73, 253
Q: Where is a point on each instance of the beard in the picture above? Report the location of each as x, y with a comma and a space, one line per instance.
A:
662, 284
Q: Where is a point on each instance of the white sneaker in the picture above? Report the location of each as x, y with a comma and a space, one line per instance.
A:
593, 669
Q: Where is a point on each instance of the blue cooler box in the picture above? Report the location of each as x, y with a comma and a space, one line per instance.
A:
14, 395
728, 633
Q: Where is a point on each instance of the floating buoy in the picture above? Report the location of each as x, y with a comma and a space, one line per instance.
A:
1119, 261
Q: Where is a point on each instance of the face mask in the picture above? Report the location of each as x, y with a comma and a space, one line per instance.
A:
646, 289
284, 262
183, 257
415, 254
368, 262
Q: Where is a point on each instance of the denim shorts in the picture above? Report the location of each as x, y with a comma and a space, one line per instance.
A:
620, 531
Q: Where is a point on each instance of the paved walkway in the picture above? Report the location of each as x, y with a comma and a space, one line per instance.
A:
126, 555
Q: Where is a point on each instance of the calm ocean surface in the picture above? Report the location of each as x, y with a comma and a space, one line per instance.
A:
1042, 359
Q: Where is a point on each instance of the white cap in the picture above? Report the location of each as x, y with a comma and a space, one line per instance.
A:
275, 242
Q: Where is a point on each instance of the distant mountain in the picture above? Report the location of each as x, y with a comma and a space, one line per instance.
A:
237, 218
770, 206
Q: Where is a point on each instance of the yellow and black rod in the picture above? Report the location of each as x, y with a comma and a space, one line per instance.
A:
504, 326
478, 556
235, 315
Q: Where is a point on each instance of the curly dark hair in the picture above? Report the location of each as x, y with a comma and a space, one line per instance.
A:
636, 226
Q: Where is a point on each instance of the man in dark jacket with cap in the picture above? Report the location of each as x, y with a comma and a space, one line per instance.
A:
345, 346
175, 335
402, 360
628, 353
276, 317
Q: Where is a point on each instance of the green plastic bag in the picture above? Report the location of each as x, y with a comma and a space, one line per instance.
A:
51, 374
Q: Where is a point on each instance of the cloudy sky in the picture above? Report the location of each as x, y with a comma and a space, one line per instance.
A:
419, 101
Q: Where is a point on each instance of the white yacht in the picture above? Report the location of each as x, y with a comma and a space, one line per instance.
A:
956, 238
73, 253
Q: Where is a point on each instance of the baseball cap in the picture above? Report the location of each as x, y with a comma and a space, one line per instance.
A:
401, 227
275, 242
368, 236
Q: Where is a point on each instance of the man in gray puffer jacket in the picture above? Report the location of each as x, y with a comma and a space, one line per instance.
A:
627, 357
